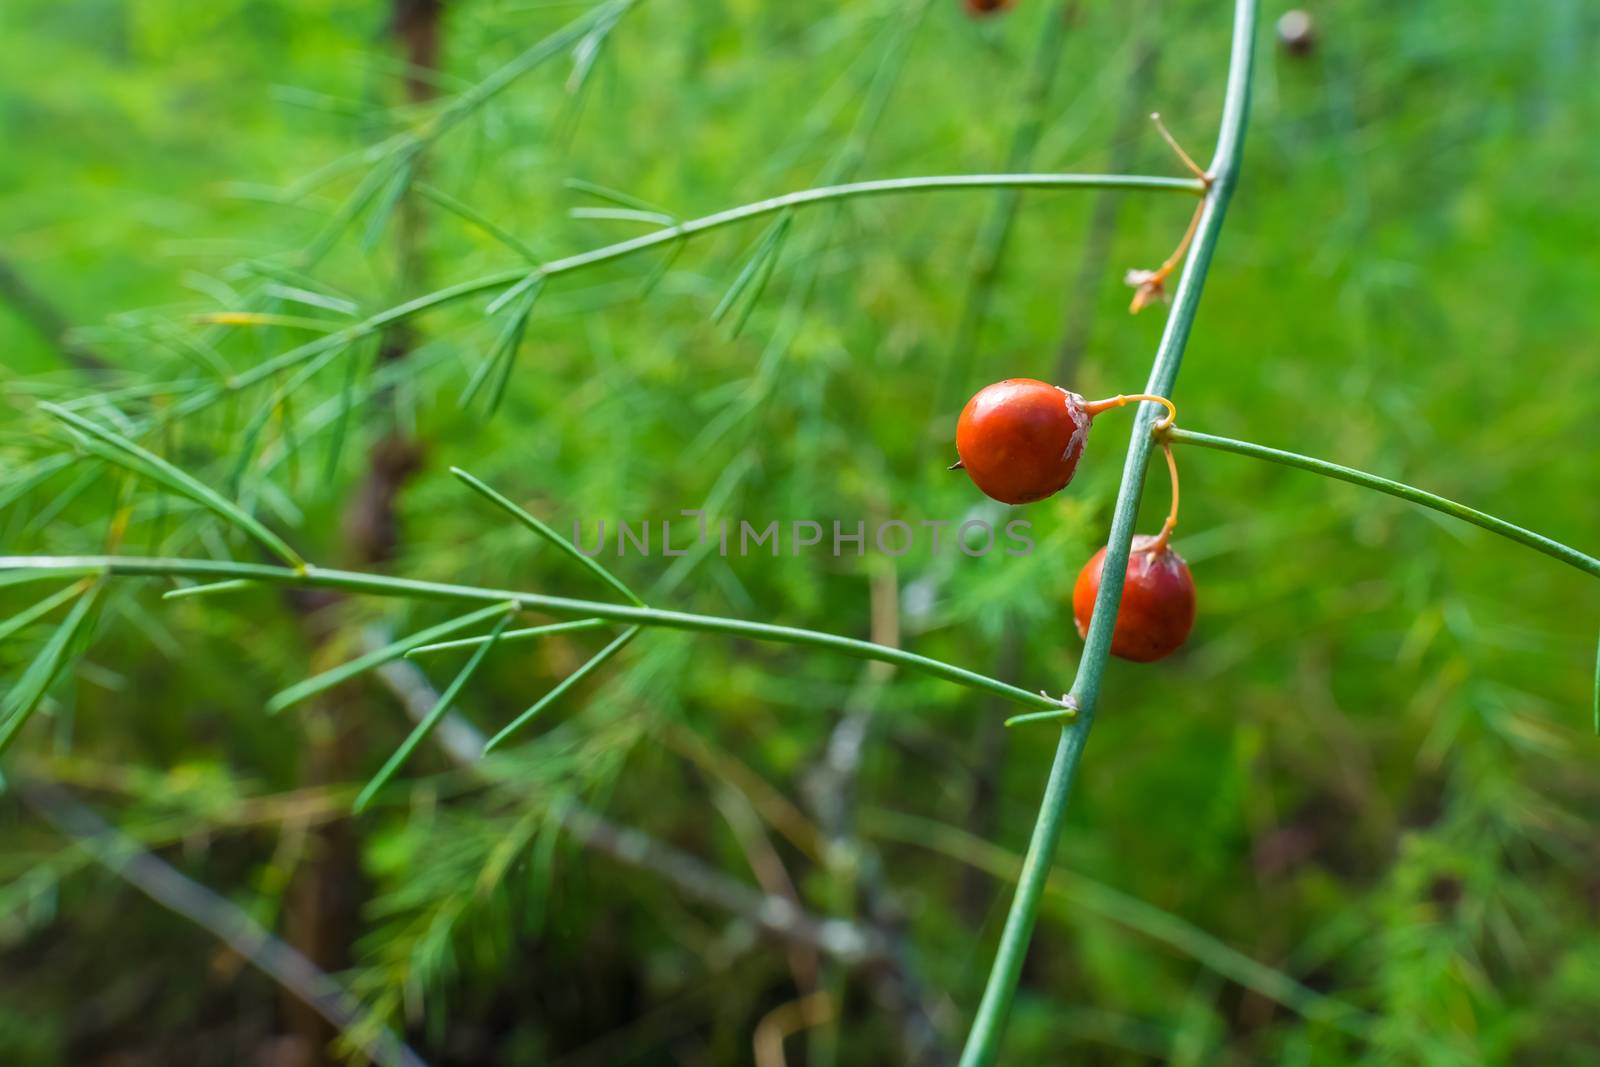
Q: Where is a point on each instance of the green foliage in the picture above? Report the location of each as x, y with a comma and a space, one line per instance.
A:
1369, 779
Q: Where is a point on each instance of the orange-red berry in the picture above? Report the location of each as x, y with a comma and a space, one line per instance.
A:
1020, 439
1157, 610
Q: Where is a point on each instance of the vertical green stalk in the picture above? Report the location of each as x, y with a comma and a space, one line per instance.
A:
983, 1041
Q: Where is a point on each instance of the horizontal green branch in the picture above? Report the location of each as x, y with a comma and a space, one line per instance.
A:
380, 585
878, 187
1538, 542
680, 232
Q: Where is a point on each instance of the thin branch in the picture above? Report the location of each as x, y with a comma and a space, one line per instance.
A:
776, 809
667, 235
381, 585
776, 916
832, 786
128, 860
785, 1020
855, 190
771, 873
1538, 542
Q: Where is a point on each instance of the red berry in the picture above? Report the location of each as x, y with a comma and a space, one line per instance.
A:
1020, 439
980, 8
1157, 610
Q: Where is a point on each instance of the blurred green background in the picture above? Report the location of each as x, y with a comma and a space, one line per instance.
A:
1352, 821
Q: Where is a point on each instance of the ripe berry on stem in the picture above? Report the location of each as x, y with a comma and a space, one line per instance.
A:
1020, 439
1157, 609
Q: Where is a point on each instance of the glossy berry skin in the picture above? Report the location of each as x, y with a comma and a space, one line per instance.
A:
1020, 439
1157, 610
979, 8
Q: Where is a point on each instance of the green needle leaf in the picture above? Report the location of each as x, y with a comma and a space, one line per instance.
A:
381, 215
312, 294
26, 577
346, 401
229, 586
756, 271
396, 156
533, 278
544, 531
659, 271
22, 619
621, 214
142, 461
31, 477
759, 286
1060, 715
437, 712
512, 635
478, 219
24, 698
503, 356
376, 658
617, 196
566, 683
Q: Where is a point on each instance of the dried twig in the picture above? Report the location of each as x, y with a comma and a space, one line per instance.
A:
164, 884
773, 915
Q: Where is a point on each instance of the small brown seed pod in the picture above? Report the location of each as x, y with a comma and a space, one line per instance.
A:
982, 8
1297, 33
